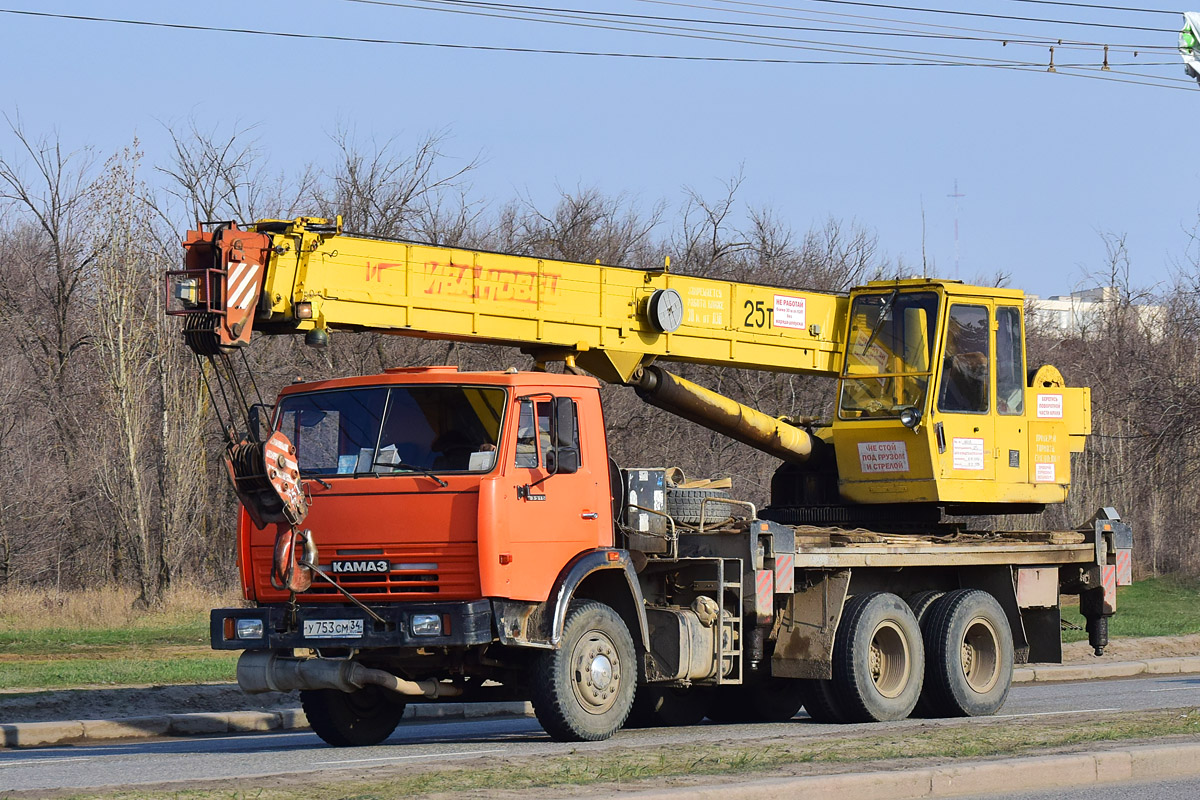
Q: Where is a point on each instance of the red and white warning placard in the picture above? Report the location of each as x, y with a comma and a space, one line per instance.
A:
1049, 406
882, 457
789, 312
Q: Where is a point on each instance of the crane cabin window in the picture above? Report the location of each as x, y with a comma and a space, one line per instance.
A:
888, 354
1010, 362
393, 430
965, 365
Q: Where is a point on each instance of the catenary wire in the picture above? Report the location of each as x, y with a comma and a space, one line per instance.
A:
1015, 39
607, 54
768, 41
1014, 17
704, 35
740, 6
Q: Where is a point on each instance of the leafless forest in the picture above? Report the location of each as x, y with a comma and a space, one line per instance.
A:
111, 453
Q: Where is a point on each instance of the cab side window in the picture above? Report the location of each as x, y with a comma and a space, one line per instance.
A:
1010, 363
966, 366
527, 436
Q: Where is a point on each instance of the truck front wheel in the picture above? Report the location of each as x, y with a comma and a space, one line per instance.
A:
583, 690
352, 719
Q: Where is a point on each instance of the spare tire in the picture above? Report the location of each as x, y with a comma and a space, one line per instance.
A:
685, 505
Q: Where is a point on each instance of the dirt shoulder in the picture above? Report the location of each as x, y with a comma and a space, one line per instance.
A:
133, 701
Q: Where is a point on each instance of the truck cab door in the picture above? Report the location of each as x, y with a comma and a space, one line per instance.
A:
964, 421
556, 501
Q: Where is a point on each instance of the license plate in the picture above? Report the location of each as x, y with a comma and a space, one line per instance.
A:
333, 628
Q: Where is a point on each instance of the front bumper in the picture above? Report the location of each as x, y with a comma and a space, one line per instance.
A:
464, 623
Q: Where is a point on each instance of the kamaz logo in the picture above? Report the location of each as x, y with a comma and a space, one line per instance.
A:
343, 567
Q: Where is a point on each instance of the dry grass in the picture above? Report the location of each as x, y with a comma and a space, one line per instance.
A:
107, 607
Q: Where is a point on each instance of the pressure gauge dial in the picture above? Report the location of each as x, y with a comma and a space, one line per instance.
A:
665, 310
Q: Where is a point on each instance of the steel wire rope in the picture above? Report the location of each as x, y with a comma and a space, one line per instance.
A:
550, 51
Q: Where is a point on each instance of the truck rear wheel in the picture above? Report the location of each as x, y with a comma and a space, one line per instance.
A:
969, 648
583, 690
352, 719
878, 659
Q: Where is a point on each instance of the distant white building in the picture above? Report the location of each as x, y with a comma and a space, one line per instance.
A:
1080, 312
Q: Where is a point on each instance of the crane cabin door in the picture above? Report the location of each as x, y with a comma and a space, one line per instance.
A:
1012, 426
964, 422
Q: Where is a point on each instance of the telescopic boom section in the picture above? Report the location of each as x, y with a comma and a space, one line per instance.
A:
305, 276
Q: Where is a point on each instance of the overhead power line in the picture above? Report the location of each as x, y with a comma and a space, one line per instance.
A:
1099, 7
1015, 39
1013, 17
862, 20
1093, 74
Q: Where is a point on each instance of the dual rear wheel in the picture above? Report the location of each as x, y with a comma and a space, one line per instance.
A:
940, 654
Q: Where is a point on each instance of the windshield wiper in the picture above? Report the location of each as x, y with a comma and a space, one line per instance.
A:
883, 310
410, 467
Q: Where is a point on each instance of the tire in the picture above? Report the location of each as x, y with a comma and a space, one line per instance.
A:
684, 505
352, 719
969, 651
668, 707
772, 700
583, 690
878, 659
822, 703
920, 603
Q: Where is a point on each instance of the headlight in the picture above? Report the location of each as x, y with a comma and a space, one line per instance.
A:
426, 625
249, 628
910, 417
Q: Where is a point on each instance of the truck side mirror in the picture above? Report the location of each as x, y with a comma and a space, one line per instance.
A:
563, 456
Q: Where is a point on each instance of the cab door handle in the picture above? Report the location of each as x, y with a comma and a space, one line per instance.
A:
589, 515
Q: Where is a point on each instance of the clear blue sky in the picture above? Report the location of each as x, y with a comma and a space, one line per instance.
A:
1046, 162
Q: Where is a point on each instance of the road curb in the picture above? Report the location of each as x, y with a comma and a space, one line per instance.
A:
1030, 773
1050, 673
43, 734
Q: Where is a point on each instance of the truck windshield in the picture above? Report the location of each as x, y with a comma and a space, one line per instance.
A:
391, 430
888, 360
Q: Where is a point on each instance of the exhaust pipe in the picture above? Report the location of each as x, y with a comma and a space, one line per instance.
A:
267, 671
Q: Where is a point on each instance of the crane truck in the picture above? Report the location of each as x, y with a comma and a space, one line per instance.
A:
427, 533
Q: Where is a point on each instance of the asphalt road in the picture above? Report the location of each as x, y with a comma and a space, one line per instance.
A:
245, 756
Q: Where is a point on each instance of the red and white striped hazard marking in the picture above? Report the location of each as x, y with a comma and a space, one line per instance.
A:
241, 284
1108, 576
785, 573
764, 592
1124, 567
